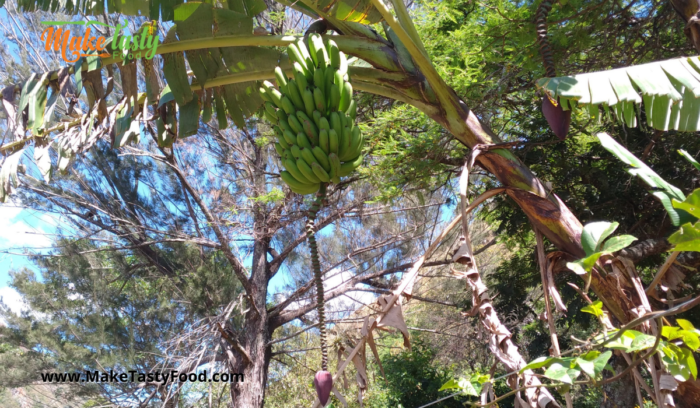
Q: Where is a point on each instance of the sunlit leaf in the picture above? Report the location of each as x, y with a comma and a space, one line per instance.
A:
687, 238
596, 309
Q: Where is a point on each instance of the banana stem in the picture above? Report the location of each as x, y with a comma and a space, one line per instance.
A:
316, 266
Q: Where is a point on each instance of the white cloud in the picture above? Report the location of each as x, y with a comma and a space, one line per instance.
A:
342, 305
23, 228
11, 299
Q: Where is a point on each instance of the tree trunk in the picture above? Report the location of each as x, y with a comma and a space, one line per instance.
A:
250, 393
621, 393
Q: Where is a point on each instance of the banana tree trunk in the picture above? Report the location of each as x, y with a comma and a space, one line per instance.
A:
548, 213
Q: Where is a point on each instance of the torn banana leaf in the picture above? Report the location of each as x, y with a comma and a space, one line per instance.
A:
668, 91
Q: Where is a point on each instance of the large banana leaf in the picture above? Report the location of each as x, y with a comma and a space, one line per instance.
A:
361, 11
668, 90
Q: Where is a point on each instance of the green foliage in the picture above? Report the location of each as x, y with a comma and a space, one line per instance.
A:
412, 379
595, 242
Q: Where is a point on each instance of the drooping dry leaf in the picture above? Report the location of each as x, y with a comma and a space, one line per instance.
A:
673, 278
92, 81
42, 158
130, 85
367, 332
394, 318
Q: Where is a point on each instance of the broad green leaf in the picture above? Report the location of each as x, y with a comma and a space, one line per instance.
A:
691, 204
195, 20
596, 309
450, 385
539, 363
685, 325
688, 359
691, 339
594, 234
563, 373
652, 179
615, 244
470, 388
670, 333
687, 238
583, 266
189, 118
641, 342
628, 341
176, 73
660, 84
690, 158
593, 363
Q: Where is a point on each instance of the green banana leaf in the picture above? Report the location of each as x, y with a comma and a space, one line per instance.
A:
360, 11
668, 90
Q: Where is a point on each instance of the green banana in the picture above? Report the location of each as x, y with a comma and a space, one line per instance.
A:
335, 98
333, 141
291, 167
317, 118
307, 57
289, 138
270, 118
276, 97
303, 142
345, 97
319, 101
287, 105
334, 52
264, 95
270, 108
280, 149
347, 167
296, 152
335, 122
320, 172
284, 125
282, 141
300, 77
322, 158
305, 169
295, 56
323, 124
354, 148
309, 105
295, 184
306, 190
335, 165
308, 156
344, 121
295, 124
319, 80
318, 51
352, 111
344, 142
323, 140
327, 82
281, 79
309, 127
338, 79
343, 68
294, 95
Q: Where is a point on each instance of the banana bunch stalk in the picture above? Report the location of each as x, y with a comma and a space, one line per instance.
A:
314, 114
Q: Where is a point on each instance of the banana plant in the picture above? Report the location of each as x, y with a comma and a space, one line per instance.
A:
669, 93
228, 62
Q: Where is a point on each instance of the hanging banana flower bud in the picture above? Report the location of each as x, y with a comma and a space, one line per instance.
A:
323, 382
318, 141
559, 120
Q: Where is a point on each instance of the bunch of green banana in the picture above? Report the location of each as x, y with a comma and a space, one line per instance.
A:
314, 114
